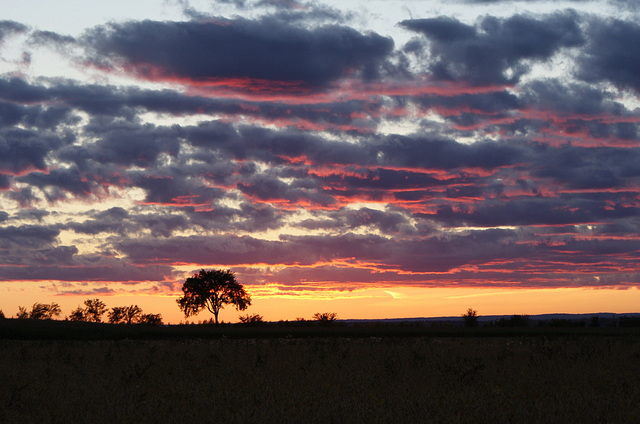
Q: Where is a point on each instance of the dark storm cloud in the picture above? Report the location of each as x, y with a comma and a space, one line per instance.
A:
229, 49
495, 50
609, 55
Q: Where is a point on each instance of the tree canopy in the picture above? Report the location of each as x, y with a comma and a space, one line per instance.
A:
39, 311
212, 289
92, 312
125, 314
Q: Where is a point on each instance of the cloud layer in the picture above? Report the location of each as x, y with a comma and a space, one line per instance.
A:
308, 154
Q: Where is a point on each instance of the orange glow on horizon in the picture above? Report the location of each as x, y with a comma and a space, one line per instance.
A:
367, 303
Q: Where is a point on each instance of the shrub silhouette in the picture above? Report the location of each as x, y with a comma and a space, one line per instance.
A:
22, 313
626, 321
212, 290
470, 318
151, 319
325, 317
513, 321
251, 319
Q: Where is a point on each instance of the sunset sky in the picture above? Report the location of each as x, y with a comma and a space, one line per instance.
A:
377, 159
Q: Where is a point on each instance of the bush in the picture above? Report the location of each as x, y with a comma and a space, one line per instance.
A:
22, 313
251, 319
562, 323
470, 318
151, 319
629, 322
513, 321
325, 316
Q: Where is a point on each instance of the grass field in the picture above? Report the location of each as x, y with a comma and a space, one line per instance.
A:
572, 377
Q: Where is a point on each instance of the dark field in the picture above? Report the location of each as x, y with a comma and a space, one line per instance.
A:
580, 377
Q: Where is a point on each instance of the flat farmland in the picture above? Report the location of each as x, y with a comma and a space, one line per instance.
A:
563, 378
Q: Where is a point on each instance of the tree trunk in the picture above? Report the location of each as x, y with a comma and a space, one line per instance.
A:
215, 314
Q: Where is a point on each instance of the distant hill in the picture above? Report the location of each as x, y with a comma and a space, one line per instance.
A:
489, 318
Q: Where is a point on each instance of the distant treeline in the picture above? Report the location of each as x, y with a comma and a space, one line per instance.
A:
92, 311
594, 321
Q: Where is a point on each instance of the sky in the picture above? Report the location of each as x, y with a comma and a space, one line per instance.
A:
377, 159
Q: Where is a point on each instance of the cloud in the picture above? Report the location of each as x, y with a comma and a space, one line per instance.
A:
22, 149
495, 50
27, 236
50, 38
9, 28
317, 157
346, 261
261, 54
609, 56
